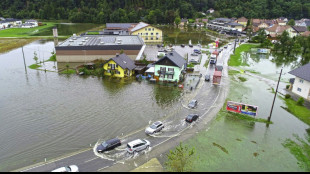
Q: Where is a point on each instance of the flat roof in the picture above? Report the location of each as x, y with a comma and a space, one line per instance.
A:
101, 40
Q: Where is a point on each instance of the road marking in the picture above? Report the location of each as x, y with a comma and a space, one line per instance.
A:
103, 168
91, 160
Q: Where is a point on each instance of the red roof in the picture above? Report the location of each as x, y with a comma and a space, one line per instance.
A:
217, 73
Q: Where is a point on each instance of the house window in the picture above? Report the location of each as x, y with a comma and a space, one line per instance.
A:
149, 29
117, 72
162, 76
299, 90
152, 34
147, 34
152, 29
145, 29
146, 38
301, 81
109, 71
170, 77
151, 38
112, 66
163, 69
157, 38
171, 69
156, 33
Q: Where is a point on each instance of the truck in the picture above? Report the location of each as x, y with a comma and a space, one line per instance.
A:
214, 57
217, 76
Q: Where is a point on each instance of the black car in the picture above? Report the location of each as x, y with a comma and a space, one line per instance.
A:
192, 117
191, 46
207, 78
158, 46
183, 45
109, 145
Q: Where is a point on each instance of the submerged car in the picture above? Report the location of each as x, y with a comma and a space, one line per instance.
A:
207, 78
154, 128
72, 168
193, 104
137, 145
109, 145
192, 117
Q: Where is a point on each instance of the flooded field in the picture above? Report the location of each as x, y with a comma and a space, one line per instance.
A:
47, 115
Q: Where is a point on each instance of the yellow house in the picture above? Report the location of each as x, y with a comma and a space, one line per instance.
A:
119, 66
147, 32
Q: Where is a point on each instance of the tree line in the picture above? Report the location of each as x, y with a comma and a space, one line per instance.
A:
151, 11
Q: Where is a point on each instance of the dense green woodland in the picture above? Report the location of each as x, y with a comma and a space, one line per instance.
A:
151, 11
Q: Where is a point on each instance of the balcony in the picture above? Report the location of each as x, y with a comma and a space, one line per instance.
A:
166, 72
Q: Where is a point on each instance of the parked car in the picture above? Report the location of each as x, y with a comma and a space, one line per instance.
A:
193, 104
193, 61
137, 145
72, 168
194, 54
109, 145
207, 78
183, 45
154, 128
225, 46
191, 45
192, 117
196, 51
158, 46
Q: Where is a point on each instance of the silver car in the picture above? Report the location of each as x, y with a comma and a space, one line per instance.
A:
154, 128
193, 104
72, 168
137, 145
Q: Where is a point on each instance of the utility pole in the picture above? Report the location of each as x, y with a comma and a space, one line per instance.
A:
24, 59
235, 46
275, 95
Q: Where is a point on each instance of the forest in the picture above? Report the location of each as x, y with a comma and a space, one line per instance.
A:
151, 11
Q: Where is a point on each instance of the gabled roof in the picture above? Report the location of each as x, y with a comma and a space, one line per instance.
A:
242, 19
234, 24
278, 28
31, 20
124, 61
307, 23
302, 72
184, 20
300, 29
139, 26
175, 58
307, 33
119, 25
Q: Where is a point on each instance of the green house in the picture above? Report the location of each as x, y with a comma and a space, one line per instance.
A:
170, 68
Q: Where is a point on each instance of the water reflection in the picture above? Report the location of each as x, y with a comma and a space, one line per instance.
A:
166, 95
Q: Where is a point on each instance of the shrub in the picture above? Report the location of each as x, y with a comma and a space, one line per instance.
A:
301, 101
288, 86
287, 96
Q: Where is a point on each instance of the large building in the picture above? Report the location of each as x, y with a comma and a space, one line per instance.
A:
147, 32
78, 49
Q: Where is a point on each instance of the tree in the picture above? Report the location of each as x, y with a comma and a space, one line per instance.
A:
35, 57
177, 21
181, 159
291, 22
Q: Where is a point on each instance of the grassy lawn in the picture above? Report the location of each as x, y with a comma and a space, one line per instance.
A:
9, 44
24, 32
300, 112
236, 60
34, 66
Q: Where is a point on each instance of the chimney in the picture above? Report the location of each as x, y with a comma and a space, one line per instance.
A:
171, 53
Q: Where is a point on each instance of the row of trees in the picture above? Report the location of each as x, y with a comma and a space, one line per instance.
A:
151, 11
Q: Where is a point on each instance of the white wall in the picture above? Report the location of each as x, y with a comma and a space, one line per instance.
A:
305, 88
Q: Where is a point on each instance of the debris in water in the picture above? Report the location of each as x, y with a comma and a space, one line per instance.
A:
255, 154
254, 142
222, 148
238, 139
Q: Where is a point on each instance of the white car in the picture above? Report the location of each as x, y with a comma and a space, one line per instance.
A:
137, 145
72, 168
154, 128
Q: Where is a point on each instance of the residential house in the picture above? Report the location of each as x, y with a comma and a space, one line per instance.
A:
297, 30
2, 18
306, 34
276, 30
201, 22
147, 32
170, 68
27, 25
283, 19
183, 23
219, 24
4, 24
234, 26
118, 28
301, 85
119, 66
281, 22
210, 11
302, 22
14, 22
33, 22
243, 21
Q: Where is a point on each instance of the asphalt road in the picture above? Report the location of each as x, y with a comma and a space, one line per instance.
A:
175, 127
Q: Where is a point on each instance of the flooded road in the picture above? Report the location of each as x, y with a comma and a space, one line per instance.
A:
47, 115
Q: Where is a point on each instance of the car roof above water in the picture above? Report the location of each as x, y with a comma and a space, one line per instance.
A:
135, 142
113, 140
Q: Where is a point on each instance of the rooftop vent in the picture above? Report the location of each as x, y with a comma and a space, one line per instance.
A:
117, 54
171, 53
124, 62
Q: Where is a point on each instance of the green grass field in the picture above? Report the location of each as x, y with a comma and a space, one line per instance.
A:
301, 112
25, 32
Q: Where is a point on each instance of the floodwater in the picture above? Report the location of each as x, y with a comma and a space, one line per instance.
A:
179, 36
65, 29
47, 115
